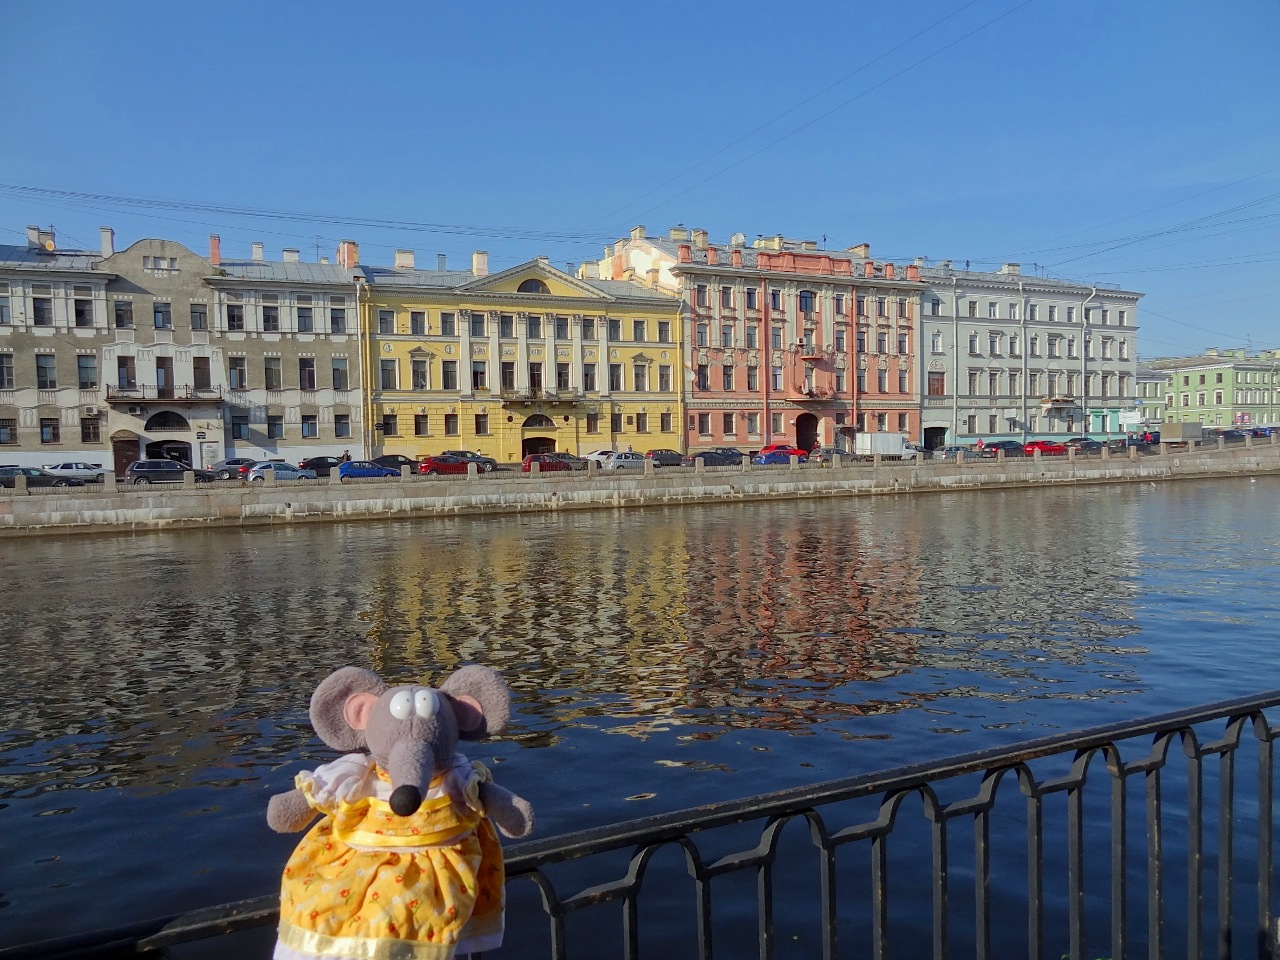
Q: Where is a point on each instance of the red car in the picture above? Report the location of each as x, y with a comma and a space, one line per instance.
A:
786, 449
1047, 448
442, 463
546, 462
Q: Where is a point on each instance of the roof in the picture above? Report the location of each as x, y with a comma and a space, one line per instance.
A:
14, 257
289, 271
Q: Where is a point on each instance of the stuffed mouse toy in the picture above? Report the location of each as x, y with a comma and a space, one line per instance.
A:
405, 861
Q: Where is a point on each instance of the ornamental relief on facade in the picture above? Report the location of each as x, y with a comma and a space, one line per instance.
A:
564, 352
937, 365
508, 351
464, 315
883, 363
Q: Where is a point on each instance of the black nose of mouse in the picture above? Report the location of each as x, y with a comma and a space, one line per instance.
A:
405, 800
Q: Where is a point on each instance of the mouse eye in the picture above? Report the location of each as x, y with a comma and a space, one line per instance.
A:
402, 705
426, 703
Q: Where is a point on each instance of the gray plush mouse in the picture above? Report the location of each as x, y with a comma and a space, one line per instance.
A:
405, 858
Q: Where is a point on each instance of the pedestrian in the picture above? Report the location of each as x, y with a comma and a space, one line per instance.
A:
979, 443
346, 456
629, 449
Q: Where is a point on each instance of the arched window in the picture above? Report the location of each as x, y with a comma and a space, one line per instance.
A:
533, 286
168, 420
540, 422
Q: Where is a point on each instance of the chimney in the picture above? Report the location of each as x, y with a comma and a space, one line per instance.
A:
440, 262
735, 257
324, 260
653, 277
699, 238
684, 253
913, 271
920, 261
888, 271
290, 255
40, 239
861, 250
215, 249
348, 254
713, 256
637, 233
108, 242
33, 237
257, 250
679, 232
404, 260
1012, 269
480, 264
869, 268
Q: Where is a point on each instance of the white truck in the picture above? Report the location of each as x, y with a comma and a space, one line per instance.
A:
894, 446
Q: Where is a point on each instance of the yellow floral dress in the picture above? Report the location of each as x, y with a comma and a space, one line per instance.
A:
367, 884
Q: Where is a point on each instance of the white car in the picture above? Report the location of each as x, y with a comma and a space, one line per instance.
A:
599, 456
624, 461
88, 472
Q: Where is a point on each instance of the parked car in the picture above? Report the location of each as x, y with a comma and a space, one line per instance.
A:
163, 471
625, 460
280, 470
396, 461
322, 466
1230, 436
365, 469
826, 455
483, 464
442, 463
785, 448
775, 457
665, 458
952, 452
574, 462
547, 462
716, 457
1084, 445
88, 472
234, 468
1011, 448
599, 456
36, 477
1047, 448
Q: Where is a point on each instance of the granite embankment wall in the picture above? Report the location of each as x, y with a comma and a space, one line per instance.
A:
89, 509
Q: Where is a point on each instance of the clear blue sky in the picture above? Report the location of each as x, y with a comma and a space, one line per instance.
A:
1131, 142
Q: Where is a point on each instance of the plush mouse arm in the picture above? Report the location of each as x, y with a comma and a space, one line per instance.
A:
513, 815
289, 812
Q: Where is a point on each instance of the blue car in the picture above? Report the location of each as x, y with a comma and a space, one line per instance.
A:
358, 469
774, 457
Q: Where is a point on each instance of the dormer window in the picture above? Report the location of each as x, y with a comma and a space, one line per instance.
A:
533, 286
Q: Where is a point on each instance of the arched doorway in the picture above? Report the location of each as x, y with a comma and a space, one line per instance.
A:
166, 421
537, 443
125, 448
806, 431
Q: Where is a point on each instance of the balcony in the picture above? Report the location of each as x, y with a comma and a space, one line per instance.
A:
805, 394
1058, 401
184, 393
811, 351
514, 396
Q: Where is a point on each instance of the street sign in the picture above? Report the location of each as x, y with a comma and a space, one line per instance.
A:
200, 434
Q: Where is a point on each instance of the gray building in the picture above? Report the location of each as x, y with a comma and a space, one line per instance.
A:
1010, 356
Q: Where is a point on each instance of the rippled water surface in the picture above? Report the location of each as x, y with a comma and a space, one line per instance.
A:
155, 686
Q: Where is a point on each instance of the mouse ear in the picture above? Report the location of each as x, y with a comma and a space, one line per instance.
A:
341, 706
482, 703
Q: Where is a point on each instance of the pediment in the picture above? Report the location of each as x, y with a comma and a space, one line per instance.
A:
559, 285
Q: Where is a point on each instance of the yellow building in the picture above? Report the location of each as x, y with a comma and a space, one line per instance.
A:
529, 360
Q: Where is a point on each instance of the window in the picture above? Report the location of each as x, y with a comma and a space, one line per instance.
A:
124, 314
935, 307
806, 301
307, 373
421, 425
1054, 346
903, 343
588, 328
417, 323
1013, 344
664, 331
90, 430
42, 314
338, 320
775, 299
201, 373
882, 341
479, 375
1071, 314
448, 325
727, 377
589, 377
726, 298
5, 316
973, 383
386, 321
839, 305
83, 312
1013, 311
389, 374
50, 430
1033, 384
727, 424
477, 325
506, 325
753, 337
664, 377
973, 308
904, 384
1035, 346
534, 326
562, 376
993, 384
1053, 313
882, 422
993, 344
862, 341
238, 373
535, 377
199, 314
418, 375
882, 309
87, 370
753, 379
272, 373
704, 424
614, 328
615, 376
342, 424
937, 384
239, 428
338, 369
508, 374
973, 344
235, 316
311, 425
637, 331
1032, 311
935, 342
46, 372
840, 381
726, 336
903, 311
593, 423
270, 319
449, 375
306, 320
482, 425
642, 423
390, 425
840, 339
993, 310
882, 381
451, 424
8, 431
275, 427
703, 378
777, 378
1013, 383
861, 304
6, 371
751, 298
700, 295
664, 422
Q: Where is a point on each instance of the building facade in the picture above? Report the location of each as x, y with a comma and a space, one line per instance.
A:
527, 360
784, 343
1009, 356
1221, 388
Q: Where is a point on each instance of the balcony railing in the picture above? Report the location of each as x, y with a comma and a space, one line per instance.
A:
182, 392
1078, 845
554, 395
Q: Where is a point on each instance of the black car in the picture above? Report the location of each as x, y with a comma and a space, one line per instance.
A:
1011, 448
36, 478
665, 457
395, 461
321, 465
1231, 436
1084, 445
163, 471
716, 457
483, 464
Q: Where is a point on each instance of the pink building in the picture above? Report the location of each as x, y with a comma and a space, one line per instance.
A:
783, 342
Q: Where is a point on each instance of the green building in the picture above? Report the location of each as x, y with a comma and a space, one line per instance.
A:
1221, 388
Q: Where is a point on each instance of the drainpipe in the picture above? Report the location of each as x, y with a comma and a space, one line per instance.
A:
955, 359
362, 354
1084, 360
767, 330
1022, 296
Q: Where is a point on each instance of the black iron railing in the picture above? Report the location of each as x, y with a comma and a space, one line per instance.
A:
959, 880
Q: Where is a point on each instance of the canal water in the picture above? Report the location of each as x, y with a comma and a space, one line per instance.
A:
154, 687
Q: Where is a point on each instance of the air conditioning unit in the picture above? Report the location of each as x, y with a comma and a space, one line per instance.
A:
135, 411
91, 411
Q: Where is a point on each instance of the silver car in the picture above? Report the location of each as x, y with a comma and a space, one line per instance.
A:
280, 469
88, 472
624, 461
